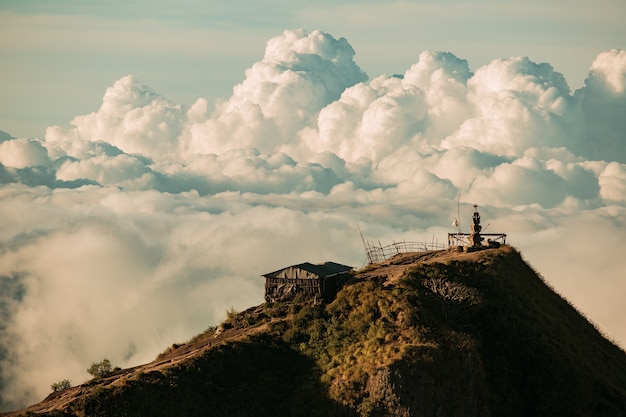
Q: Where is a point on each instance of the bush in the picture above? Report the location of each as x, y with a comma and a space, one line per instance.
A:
231, 314
61, 385
100, 369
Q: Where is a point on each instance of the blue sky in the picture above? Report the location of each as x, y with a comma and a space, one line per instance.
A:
58, 56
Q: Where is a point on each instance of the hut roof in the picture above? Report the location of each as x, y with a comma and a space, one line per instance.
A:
322, 270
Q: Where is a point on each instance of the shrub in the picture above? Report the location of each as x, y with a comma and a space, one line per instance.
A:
61, 385
101, 369
231, 314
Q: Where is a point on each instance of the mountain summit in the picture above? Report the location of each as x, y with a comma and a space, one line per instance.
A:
437, 333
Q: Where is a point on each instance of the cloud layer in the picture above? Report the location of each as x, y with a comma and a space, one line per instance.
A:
141, 223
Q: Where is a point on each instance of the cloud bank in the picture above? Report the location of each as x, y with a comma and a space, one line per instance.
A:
141, 223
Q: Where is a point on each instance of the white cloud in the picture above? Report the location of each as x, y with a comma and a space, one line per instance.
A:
168, 215
607, 70
122, 170
443, 77
375, 119
22, 153
517, 104
462, 165
133, 118
604, 105
613, 182
522, 182
300, 73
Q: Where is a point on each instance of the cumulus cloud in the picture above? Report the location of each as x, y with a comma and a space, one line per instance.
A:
604, 105
516, 104
521, 183
132, 117
141, 223
300, 73
375, 119
612, 182
23, 153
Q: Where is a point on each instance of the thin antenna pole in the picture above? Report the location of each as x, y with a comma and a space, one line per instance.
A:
362, 238
367, 250
458, 213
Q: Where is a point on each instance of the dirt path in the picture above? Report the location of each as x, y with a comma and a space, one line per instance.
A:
397, 266
61, 400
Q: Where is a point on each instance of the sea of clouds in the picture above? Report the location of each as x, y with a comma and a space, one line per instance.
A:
142, 223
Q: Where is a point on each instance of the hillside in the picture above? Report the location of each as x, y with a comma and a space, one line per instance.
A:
424, 334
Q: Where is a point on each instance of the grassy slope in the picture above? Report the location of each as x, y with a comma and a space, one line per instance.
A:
262, 377
475, 335
541, 356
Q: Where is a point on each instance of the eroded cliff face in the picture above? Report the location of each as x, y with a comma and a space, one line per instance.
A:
451, 385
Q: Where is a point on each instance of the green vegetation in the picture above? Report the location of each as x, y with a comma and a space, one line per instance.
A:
61, 385
366, 327
260, 377
210, 331
371, 326
246, 319
101, 369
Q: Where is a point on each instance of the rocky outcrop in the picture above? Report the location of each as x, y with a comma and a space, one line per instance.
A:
450, 385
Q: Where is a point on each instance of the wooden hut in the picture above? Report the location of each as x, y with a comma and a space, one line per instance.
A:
322, 280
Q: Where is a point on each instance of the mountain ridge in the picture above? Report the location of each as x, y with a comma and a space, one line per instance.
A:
421, 334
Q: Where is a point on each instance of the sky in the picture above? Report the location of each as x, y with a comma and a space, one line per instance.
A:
157, 157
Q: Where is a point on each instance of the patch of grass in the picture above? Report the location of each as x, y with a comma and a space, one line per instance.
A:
367, 326
260, 377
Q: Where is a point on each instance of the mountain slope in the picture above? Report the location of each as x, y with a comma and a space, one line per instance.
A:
425, 334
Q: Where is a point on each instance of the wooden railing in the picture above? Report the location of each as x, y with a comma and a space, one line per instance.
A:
379, 253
